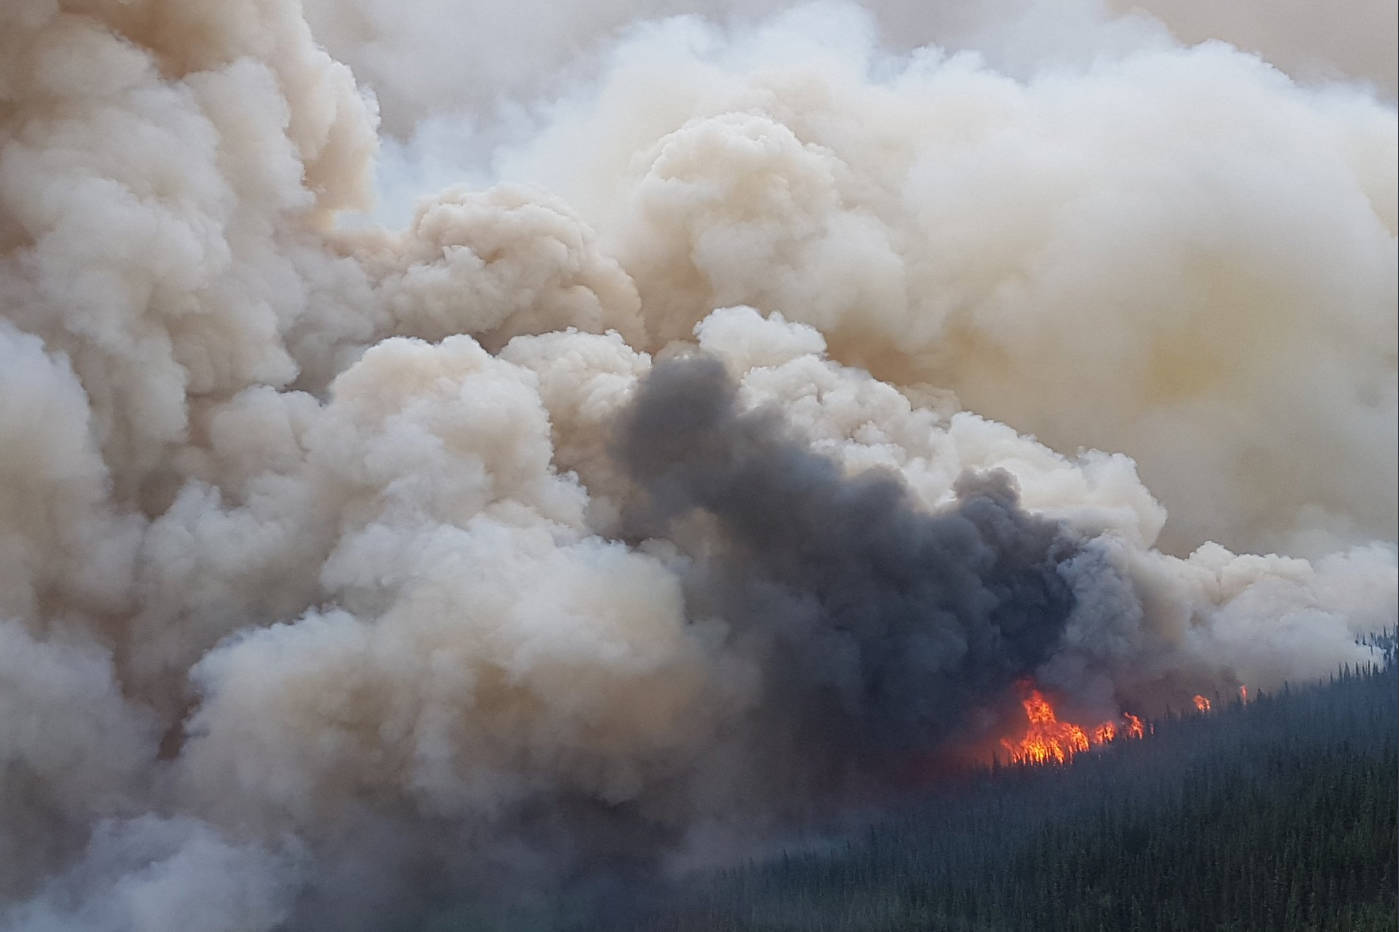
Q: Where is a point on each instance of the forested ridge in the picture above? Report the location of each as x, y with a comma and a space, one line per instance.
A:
1281, 813
1275, 814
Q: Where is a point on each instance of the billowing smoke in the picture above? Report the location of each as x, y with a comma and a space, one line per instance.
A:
737, 440
876, 626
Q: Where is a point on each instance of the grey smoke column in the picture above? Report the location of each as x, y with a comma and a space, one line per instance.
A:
874, 622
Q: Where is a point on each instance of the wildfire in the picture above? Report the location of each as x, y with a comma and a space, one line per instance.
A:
1243, 694
1048, 739
1202, 704
1134, 725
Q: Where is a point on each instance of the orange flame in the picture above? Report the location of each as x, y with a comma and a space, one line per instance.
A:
1048, 739
1134, 725
1243, 694
1202, 703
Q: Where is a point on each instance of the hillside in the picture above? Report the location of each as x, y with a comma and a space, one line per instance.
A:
1278, 814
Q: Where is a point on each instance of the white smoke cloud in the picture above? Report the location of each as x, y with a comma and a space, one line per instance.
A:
1139, 257
1306, 40
313, 533
163, 875
486, 62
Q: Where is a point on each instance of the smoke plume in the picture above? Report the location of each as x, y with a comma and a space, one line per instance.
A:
874, 623
768, 392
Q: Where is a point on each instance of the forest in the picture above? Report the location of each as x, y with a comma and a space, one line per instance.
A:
1278, 814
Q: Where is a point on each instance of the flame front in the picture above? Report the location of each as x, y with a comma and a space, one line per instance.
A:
1048, 739
1202, 704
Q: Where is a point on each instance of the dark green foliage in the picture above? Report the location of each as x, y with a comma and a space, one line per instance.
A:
1279, 815
1276, 815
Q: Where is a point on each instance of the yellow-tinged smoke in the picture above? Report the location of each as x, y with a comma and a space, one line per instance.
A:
316, 547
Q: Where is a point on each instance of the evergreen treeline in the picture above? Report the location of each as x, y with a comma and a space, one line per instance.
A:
1275, 815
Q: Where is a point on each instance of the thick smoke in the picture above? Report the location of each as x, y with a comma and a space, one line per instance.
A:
1138, 255
877, 626
621, 512
483, 62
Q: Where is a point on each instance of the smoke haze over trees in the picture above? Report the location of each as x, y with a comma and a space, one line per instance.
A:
1280, 815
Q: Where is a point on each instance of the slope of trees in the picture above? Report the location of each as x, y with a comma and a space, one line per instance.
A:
1279, 814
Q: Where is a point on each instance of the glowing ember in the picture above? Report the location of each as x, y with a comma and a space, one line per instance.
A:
1202, 703
1048, 739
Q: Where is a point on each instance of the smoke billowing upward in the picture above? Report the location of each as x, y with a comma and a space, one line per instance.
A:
783, 385
878, 625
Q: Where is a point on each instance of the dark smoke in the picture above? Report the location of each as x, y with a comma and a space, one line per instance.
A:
873, 626
876, 624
